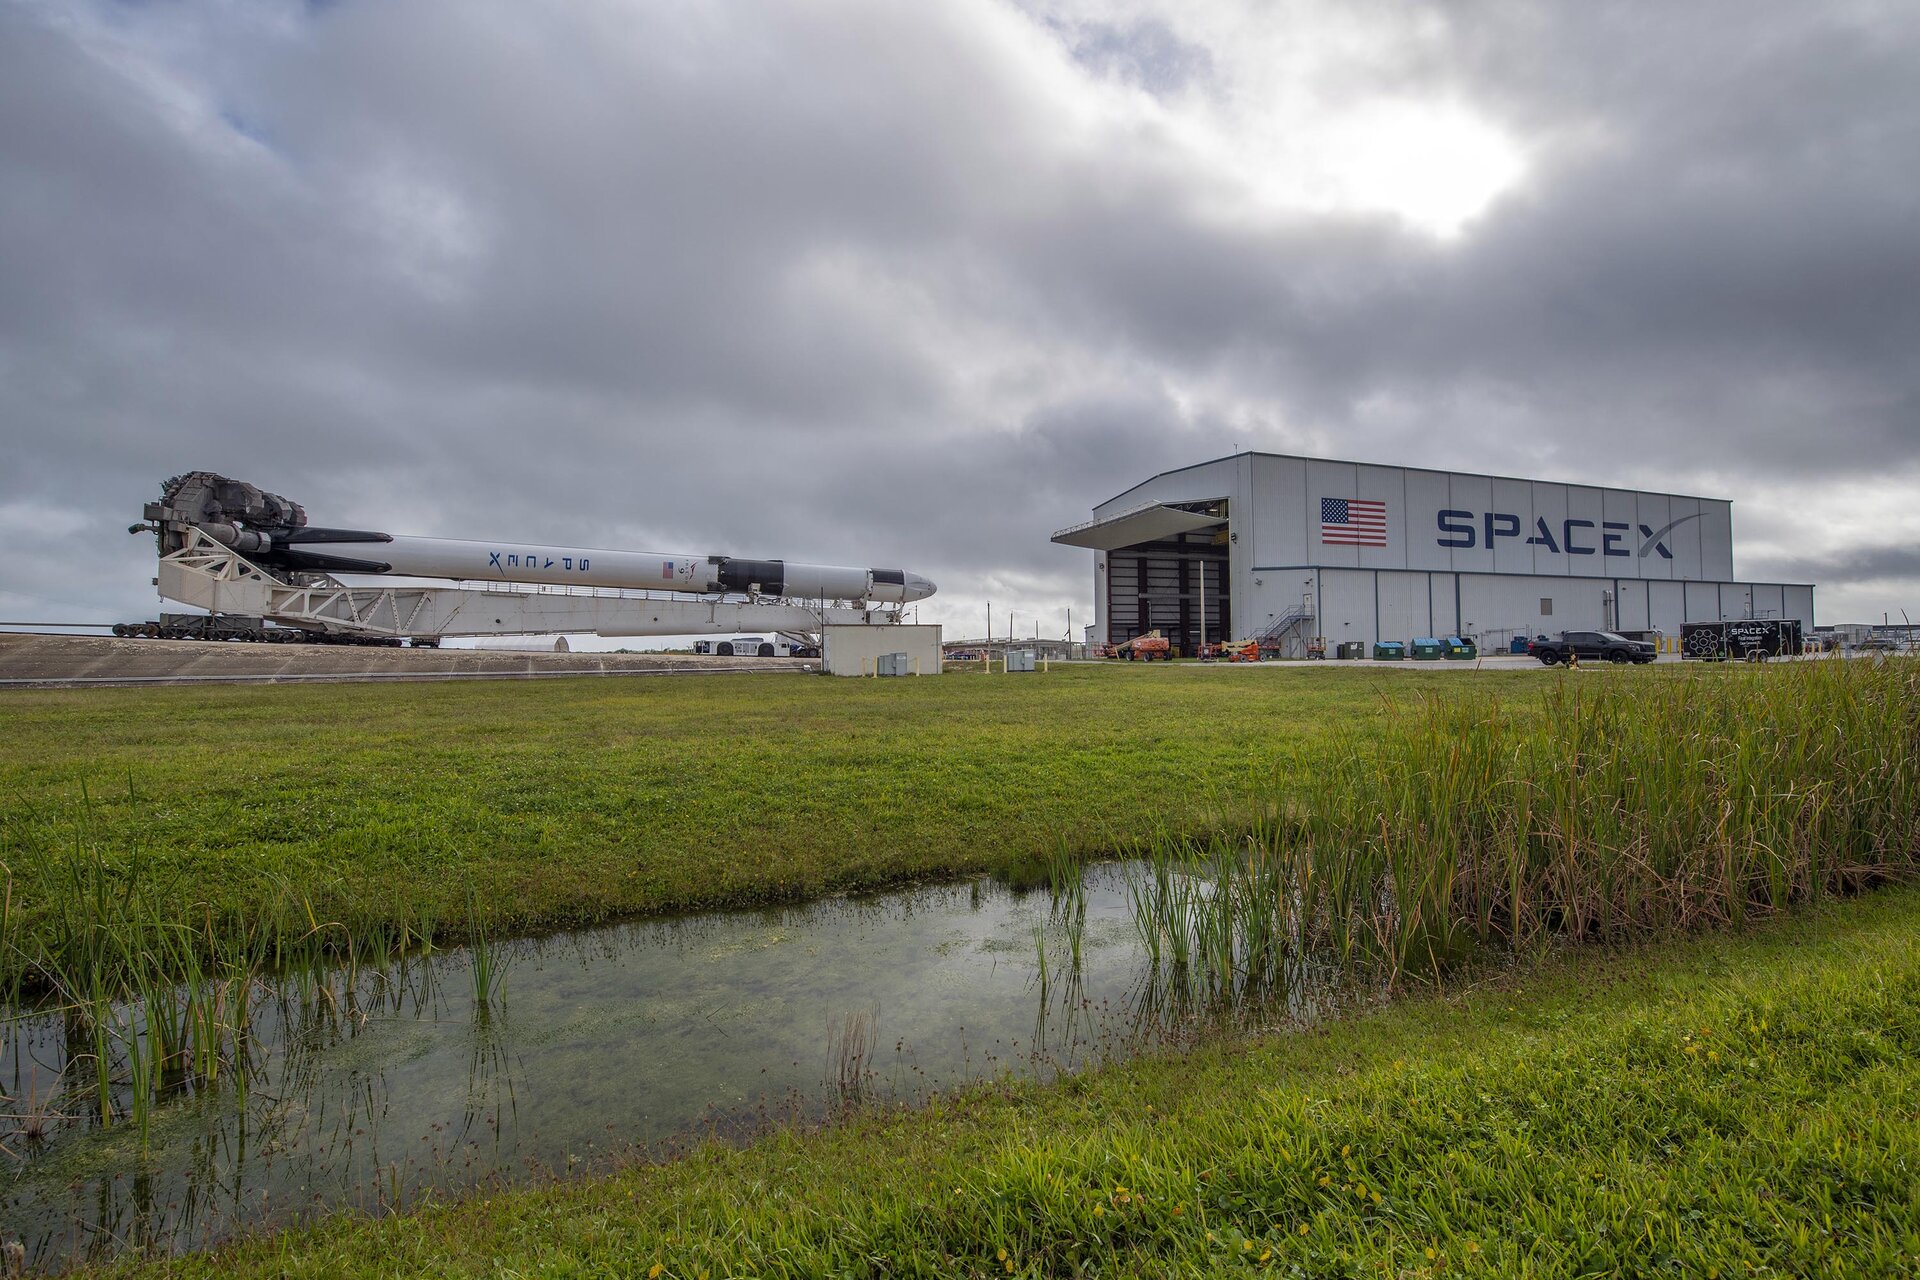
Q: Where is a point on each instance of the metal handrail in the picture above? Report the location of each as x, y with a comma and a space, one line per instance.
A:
1281, 626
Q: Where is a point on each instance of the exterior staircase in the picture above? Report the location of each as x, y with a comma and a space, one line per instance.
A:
1279, 635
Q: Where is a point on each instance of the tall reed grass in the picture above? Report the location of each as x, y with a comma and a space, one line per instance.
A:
156, 996
1615, 805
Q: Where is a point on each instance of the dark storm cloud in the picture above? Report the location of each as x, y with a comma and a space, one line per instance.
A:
920, 284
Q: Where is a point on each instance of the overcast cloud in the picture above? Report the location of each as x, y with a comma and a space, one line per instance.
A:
917, 284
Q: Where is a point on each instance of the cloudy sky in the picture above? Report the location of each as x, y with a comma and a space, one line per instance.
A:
864, 281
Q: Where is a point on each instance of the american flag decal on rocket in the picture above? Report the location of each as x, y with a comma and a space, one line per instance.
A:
1353, 522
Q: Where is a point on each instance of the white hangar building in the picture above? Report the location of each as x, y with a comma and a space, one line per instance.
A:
1285, 549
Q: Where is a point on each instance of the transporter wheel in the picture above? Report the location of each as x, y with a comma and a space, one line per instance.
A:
766, 651
1130, 655
724, 648
120, 629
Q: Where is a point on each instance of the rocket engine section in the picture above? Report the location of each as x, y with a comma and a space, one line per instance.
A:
231, 512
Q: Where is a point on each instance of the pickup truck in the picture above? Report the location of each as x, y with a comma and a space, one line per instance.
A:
1591, 646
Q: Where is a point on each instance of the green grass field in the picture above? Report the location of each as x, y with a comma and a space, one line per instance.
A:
1743, 1104
572, 801
1734, 1105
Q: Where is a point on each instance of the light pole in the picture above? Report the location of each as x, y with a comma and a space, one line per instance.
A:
1203, 605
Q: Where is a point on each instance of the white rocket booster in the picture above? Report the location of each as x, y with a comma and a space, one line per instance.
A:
359, 551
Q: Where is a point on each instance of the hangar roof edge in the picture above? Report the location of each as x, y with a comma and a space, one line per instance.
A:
1394, 466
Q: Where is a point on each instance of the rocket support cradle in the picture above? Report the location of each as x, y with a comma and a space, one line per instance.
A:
229, 547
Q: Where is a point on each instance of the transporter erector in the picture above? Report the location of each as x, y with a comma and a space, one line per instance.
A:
233, 549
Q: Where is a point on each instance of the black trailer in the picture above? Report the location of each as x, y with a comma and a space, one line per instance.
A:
196, 626
247, 628
1748, 640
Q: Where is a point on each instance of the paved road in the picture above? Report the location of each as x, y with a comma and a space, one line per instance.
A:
33, 660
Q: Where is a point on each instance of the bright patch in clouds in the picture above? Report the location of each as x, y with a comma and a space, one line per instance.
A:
1436, 166
1301, 107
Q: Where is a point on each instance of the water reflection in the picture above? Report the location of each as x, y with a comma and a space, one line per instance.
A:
373, 1087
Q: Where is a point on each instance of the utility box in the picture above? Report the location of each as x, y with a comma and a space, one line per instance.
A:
1425, 649
855, 649
1389, 651
1020, 660
893, 664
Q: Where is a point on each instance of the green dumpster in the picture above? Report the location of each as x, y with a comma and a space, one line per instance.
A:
1461, 649
1389, 651
1425, 649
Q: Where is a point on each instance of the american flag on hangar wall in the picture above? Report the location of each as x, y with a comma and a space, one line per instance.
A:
1353, 522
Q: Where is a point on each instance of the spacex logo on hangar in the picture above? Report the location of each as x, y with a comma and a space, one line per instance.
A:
1460, 528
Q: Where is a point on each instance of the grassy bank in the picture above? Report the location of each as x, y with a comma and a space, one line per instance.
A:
1734, 1105
570, 801
1589, 810
1405, 815
1402, 834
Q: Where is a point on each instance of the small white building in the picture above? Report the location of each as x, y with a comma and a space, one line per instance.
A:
859, 650
1288, 549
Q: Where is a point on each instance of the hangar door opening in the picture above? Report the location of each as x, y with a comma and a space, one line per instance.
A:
1159, 585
